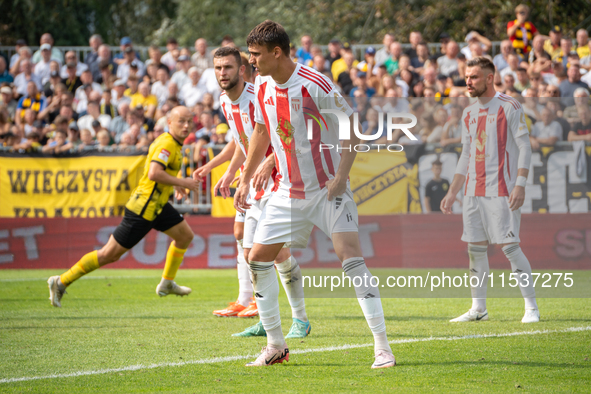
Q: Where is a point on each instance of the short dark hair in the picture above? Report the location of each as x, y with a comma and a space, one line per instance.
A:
482, 62
270, 34
229, 51
171, 40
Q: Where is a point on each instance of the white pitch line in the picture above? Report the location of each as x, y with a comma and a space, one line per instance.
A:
296, 351
83, 278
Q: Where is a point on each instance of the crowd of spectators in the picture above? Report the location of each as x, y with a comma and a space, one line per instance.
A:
55, 102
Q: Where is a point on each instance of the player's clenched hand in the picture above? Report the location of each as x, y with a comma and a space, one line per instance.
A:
447, 203
200, 173
517, 198
336, 187
191, 184
223, 185
241, 196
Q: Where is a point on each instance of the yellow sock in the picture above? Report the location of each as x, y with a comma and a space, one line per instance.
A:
174, 258
88, 263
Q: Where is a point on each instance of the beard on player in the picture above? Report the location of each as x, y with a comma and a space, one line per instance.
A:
230, 84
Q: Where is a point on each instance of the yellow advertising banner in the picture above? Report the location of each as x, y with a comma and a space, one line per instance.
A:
81, 187
385, 183
220, 207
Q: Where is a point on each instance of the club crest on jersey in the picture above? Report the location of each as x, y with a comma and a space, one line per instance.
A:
285, 132
492, 118
295, 104
245, 117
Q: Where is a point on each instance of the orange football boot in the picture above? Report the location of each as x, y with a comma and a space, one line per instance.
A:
232, 310
250, 311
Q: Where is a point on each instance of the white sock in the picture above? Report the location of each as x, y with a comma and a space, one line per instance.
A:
520, 266
369, 300
291, 278
244, 285
266, 293
377, 326
479, 268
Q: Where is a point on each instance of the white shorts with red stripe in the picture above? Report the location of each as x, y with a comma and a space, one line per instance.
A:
490, 219
290, 221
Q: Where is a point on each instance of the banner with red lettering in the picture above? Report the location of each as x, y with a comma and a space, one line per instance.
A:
559, 241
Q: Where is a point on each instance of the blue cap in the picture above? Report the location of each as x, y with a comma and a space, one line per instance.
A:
126, 41
361, 74
370, 51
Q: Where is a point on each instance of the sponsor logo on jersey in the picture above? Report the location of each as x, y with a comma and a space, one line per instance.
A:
338, 99
295, 104
236, 110
164, 155
473, 121
270, 101
281, 94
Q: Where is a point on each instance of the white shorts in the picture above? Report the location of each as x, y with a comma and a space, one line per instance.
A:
490, 219
290, 221
253, 215
240, 217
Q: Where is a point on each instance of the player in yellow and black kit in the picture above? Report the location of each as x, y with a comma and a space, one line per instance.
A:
148, 208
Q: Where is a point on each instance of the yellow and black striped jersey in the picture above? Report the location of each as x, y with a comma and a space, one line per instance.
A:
149, 197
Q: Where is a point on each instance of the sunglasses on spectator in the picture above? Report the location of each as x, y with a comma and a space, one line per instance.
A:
551, 91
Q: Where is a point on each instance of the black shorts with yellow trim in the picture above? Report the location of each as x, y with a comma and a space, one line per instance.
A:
133, 227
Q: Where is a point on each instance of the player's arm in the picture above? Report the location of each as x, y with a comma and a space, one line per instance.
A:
517, 196
263, 173
227, 179
225, 155
259, 144
338, 184
157, 173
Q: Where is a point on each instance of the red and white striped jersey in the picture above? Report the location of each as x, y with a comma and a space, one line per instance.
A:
286, 110
240, 117
491, 129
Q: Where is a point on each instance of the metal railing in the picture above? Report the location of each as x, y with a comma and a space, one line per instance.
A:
358, 49
198, 202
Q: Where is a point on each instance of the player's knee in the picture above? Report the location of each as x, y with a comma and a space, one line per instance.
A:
511, 249
238, 233
184, 240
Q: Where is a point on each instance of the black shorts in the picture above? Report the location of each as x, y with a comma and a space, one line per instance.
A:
133, 227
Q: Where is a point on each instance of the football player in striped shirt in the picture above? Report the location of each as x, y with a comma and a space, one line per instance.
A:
237, 103
494, 166
313, 184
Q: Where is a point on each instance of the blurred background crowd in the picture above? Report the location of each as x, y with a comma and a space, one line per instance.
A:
115, 99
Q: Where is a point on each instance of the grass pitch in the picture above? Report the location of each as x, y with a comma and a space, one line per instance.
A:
119, 336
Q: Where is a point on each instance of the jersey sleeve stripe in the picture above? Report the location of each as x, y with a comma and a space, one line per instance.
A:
326, 86
326, 82
314, 79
